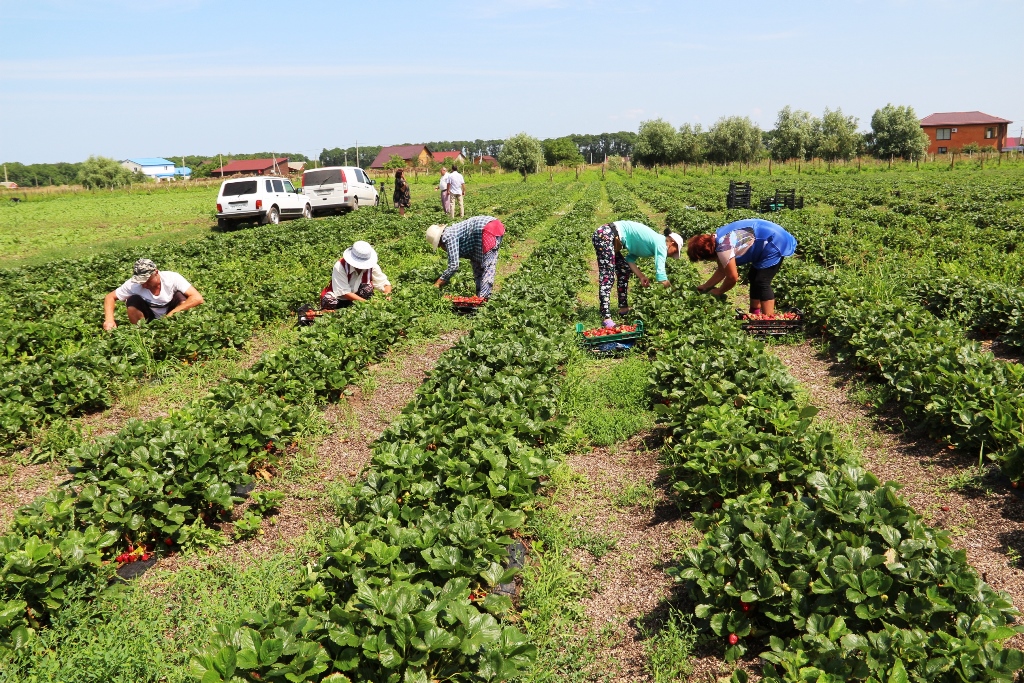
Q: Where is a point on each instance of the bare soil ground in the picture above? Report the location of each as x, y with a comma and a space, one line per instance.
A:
355, 424
630, 581
983, 514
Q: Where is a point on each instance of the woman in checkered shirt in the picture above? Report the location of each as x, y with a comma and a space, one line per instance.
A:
477, 239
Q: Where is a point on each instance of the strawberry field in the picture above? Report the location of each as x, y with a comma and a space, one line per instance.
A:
456, 551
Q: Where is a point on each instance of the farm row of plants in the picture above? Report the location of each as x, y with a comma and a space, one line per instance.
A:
54, 361
163, 483
807, 560
409, 586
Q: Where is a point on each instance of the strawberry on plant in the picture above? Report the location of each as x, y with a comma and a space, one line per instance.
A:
733, 639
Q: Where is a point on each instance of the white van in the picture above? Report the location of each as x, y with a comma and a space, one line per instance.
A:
260, 198
336, 188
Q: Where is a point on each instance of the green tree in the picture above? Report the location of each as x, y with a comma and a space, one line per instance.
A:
103, 172
835, 136
691, 144
655, 143
521, 153
562, 151
394, 161
734, 138
793, 136
896, 131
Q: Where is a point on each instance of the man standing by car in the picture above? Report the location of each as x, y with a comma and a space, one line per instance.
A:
150, 294
456, 190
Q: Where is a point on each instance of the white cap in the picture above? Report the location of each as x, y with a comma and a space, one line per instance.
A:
680, 242
361, 255
434, 235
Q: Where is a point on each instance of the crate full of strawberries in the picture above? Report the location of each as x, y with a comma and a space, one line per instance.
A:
776, 324
466, 304
620, 337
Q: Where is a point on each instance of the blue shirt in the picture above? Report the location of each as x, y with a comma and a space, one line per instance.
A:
642, 241
753, 240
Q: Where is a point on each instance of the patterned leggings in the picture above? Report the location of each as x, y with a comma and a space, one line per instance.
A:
609, 264
483, 272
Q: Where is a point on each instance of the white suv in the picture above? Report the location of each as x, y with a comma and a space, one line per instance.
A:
264, 199
333, 188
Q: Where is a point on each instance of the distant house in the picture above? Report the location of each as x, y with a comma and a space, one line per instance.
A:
183, 171
485, 159
154, 167
452, 157
277, 166
296, 166
1013, 145
414, 155
950, 131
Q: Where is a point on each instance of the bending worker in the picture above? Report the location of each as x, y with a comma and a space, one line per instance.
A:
150, 294
355, 277
477, 239
640, 241
754, 241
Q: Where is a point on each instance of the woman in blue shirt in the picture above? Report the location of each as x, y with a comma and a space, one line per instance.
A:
640, 241
754, 241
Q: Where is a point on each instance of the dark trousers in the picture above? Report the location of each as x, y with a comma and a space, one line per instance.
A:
761, 282
146, 309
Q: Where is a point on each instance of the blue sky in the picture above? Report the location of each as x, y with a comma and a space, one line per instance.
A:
146, 77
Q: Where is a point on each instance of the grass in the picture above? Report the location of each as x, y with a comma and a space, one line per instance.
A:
606, 400
147, 630
670, 647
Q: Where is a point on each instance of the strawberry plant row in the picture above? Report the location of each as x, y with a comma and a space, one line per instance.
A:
950, 386
153, 482
406, 589
806, 559
73, 369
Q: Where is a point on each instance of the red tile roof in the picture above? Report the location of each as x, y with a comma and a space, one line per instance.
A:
1013, 142
485, 159
407, 152
960, 118
251, 166
444, 156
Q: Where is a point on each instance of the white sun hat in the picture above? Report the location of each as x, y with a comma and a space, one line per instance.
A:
361, 256
434, 235
680, 242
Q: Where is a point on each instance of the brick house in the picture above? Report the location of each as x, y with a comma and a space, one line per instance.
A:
950, 131
278, 166
414, 155
452, 157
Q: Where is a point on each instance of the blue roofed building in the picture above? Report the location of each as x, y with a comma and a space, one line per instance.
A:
154, 167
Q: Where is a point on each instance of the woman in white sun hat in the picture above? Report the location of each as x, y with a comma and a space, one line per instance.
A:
477, 239
355, 277
640, 241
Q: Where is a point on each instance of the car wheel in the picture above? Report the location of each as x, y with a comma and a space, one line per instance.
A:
355, 203
273, 216
376, 200
307, 212
223, 223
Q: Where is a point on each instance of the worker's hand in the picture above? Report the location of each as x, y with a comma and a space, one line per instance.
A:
609, 323
666, 284
438, 284
109, 325
645, 281
701, 289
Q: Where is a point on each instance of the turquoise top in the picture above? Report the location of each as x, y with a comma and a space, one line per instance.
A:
642, 241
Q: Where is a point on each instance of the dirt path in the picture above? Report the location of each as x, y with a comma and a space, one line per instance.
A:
630, 532
985, 517
355, 424
21, 484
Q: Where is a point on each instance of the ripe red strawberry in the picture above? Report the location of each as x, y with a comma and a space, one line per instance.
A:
168, 541
733, 639
745, 606
717, 504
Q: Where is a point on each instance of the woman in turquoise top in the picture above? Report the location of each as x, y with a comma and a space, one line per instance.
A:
754, 241
640, 241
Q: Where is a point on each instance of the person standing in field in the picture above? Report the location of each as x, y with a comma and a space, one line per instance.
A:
402, 196
356, 276
639, 241
456, 190
150, 294
477, 239
446, 201
754, 241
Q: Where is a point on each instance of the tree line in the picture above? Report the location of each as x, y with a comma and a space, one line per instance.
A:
895, 132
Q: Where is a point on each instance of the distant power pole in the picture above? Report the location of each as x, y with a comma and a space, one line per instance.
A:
357, 152
221, 157
346, 157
